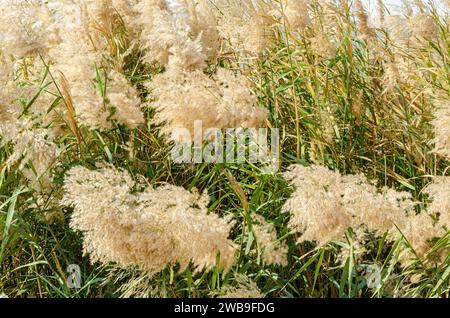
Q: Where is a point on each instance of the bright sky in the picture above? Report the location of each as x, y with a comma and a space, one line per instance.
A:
395, 6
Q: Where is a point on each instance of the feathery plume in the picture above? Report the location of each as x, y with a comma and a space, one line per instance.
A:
36, 154
363, 19
124, 99
181, 98
441, 125
325, 204
439, 192
200, 19
296, 13
242, 25
273, 251
165, 41
150, 230
76, 58
246, 288
27, 28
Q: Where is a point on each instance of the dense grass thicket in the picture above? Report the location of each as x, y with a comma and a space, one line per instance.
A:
93, 90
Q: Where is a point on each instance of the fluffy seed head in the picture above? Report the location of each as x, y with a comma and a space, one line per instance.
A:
150, 230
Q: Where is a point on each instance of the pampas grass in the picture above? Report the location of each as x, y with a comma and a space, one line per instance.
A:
93, 93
